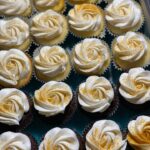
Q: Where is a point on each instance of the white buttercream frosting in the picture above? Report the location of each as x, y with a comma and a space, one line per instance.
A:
105, 135
57, 138
52, 98
96, 94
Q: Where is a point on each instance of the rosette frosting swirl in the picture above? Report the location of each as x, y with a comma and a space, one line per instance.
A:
91, 56
52, 98
96, 94
105, 135
62, 139
135, 86
14, 141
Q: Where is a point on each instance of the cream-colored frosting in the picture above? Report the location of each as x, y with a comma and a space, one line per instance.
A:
13, 104
57, 138
105, 135
13, 32
15, 7
52, 98
14, 66
14, 141
130, 47
138, 136
123, 14
91, 56
51, 61
85, 17
46, 3
135, 86
96, 94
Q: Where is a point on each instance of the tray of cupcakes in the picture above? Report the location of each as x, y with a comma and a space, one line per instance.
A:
74, 75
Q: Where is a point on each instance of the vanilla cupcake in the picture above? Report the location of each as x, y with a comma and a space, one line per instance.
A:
56, 5
61, 138
15, 68
15, 7
86, 20
49, 28
51, 63
91, 57
138, 133
106, 135
131, 50
123, 16
14, 33
74, 2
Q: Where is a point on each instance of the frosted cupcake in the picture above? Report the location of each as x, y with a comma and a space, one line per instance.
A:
15, 7
138, 133
49, 28
105, 134
51, 63
61, 138
56, 5
86, 20
131, 50
123, 16
14, 33
91, 57
15, 68
74, 2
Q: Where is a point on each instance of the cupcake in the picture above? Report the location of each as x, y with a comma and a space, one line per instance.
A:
91, 57
74, 2
15, 68
106, 135
51, 63
49, 28
86, 20
131, 50
123, 16
56, 5
96, 96
55, 101
15, 109
14, 33
15, 8
61, 138
138, 133
17, 141
135, 87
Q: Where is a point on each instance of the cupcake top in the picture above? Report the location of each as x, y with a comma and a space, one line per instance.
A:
138, 136
83, 1
14, 7
14, 141
15, 66
13, 32
105, 134
91, 56
60, 138
51, 61
52, 98
96, 94
135, 86
13, 104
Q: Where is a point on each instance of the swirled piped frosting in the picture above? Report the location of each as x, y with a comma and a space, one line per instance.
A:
57, 138
51, 62
52, 98
13, 104
14, 141
15, 66
135, 86
124, 14
139, 133
49, 26
14, 7
13, 32
91, 56
106, 135
96, 94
